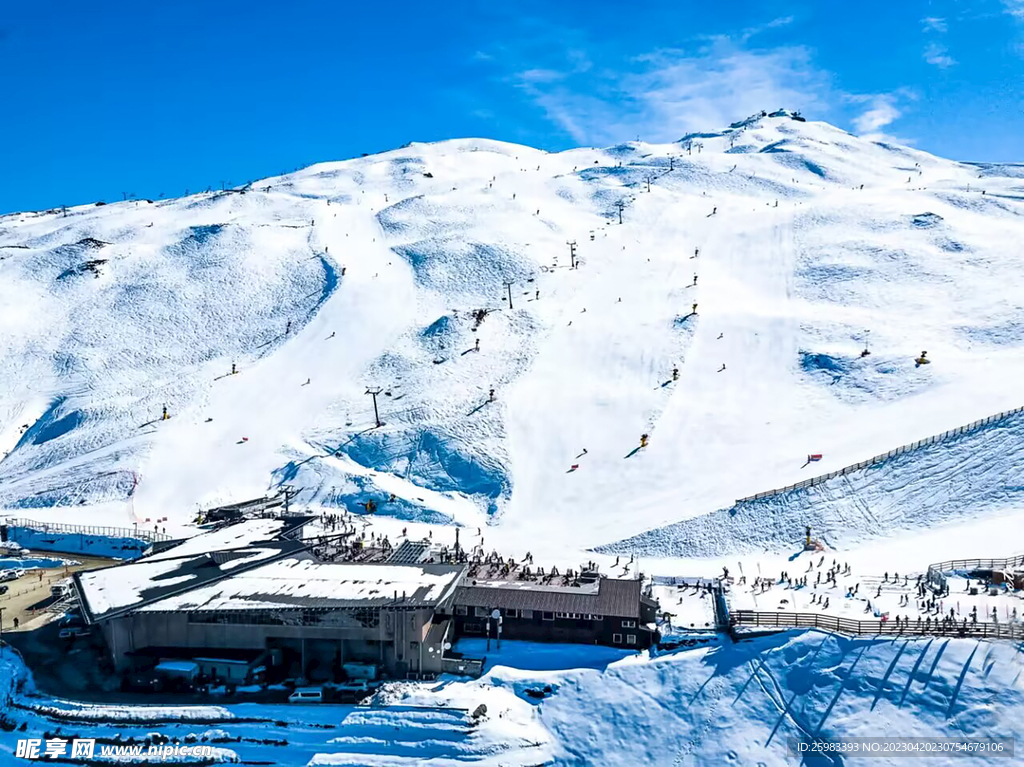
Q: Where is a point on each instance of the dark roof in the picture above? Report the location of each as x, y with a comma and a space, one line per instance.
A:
410, 553
620, 598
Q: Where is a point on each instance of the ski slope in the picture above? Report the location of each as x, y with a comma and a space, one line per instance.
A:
807, 243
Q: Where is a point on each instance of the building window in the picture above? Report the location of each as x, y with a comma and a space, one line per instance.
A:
461, 610
617, 638
630, 638
511, 613
597, 617
481, 612
526, 613
629, 624
547, 616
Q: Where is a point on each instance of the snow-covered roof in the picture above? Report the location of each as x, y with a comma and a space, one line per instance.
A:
233, 536
114, 589
295, 582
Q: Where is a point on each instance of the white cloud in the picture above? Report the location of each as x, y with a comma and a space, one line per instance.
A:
1015, 8
880, 111
665, 94
937, 54
933, 24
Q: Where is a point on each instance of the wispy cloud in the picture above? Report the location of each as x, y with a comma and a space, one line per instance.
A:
880, 110
1015, 8
664, 94
598, 94
937, 54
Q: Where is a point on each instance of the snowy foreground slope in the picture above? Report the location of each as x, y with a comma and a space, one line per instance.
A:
742, 705
807, 243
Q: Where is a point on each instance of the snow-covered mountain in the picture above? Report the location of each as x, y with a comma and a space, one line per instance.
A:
797, 243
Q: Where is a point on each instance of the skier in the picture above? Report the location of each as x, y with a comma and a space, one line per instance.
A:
478, 344
537, 296
675, 373
695, 280
643, 440
696, 252
331, 335
694, 310
721, 368
491, 396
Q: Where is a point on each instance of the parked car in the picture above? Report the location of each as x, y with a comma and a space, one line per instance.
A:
307, 695
355, 690
10, 575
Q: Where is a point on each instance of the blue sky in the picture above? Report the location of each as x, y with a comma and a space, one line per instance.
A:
105, 99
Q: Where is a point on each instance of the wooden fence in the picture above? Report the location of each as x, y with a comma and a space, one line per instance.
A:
883, 456
876, 627
937, 572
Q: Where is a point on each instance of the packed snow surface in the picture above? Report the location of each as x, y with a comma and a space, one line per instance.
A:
261, 317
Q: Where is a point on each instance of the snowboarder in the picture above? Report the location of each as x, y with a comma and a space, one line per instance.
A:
695, 280
675, 373
234, 370
694, 309
331, 335
714, 211
537, 296
491, 396
720, 335
721, 368
478, 344
696, 252
643, 440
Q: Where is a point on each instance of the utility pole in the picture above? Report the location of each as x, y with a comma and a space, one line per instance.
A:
508, 285
288, 493
671, 163
648, 183
620, 204
376, 415
572, 253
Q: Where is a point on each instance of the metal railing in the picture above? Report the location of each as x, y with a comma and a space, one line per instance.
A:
99, 530
883, 456
917, 627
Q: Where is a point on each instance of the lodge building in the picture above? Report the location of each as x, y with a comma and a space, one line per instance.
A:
252, 593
